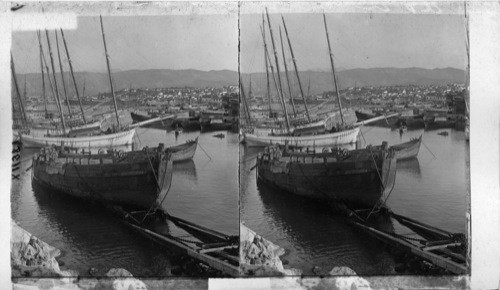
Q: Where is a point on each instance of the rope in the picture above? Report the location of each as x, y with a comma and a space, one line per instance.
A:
429, 149
168, 190
374, 162
199, 144
156, 179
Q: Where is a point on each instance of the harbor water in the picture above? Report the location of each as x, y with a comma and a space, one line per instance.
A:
204, 191
431, 189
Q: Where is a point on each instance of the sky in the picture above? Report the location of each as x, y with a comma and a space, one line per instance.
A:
203, 42
210, 42
359, 40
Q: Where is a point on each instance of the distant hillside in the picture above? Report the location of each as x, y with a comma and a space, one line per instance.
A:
158, 78
320, 81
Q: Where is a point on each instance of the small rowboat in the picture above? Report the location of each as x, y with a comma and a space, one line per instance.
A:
184, 152
408, 149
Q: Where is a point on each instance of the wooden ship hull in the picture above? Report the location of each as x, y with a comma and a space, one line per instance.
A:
184, 152
321, 140
357, 177
412, 123
52, 130
408, 149
105, 140
129, 179
187, 124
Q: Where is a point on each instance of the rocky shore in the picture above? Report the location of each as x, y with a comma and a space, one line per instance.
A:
260, 257
34, 266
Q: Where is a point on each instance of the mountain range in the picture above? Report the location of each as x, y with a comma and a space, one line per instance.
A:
319, 81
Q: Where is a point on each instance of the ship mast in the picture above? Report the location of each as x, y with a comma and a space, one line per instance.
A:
48, 71
43, 81
21, 106
73, 75
467, 43
62, 74
282, 103
286, 74
278, 71
83, 90
245, 104
109, 74
25, 92
309, 87
267, 67
296, 71
55, 82
333, 70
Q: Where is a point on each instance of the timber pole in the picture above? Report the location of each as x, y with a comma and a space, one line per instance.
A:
55, 82
278, 70
333, 70
73, 75
286, 74
296, 70
109, 74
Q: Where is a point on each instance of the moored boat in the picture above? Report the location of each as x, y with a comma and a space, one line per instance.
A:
184, 152
408, 149
358, 177
92, 141
348, 136
133, 179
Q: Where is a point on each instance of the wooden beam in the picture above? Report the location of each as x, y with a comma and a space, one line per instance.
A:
203, 251
440, 246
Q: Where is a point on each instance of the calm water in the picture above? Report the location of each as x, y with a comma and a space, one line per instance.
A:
432, 189
204, 191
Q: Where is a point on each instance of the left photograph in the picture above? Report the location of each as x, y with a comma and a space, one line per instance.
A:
125, 144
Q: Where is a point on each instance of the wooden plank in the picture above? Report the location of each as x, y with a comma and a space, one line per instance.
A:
452, 254
199, 228
138, 124
203, 251
435, 259
211, 261
229, 257
422, 226
431, 248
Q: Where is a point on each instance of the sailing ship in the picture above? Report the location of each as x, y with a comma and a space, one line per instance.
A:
133, 179
358, 177
312, 134
86, 138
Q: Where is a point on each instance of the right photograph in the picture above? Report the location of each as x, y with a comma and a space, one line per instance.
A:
354, 130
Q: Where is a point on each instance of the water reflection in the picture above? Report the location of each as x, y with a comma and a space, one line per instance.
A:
315, 235
430, 188
186, 169
410, 166
87, 235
